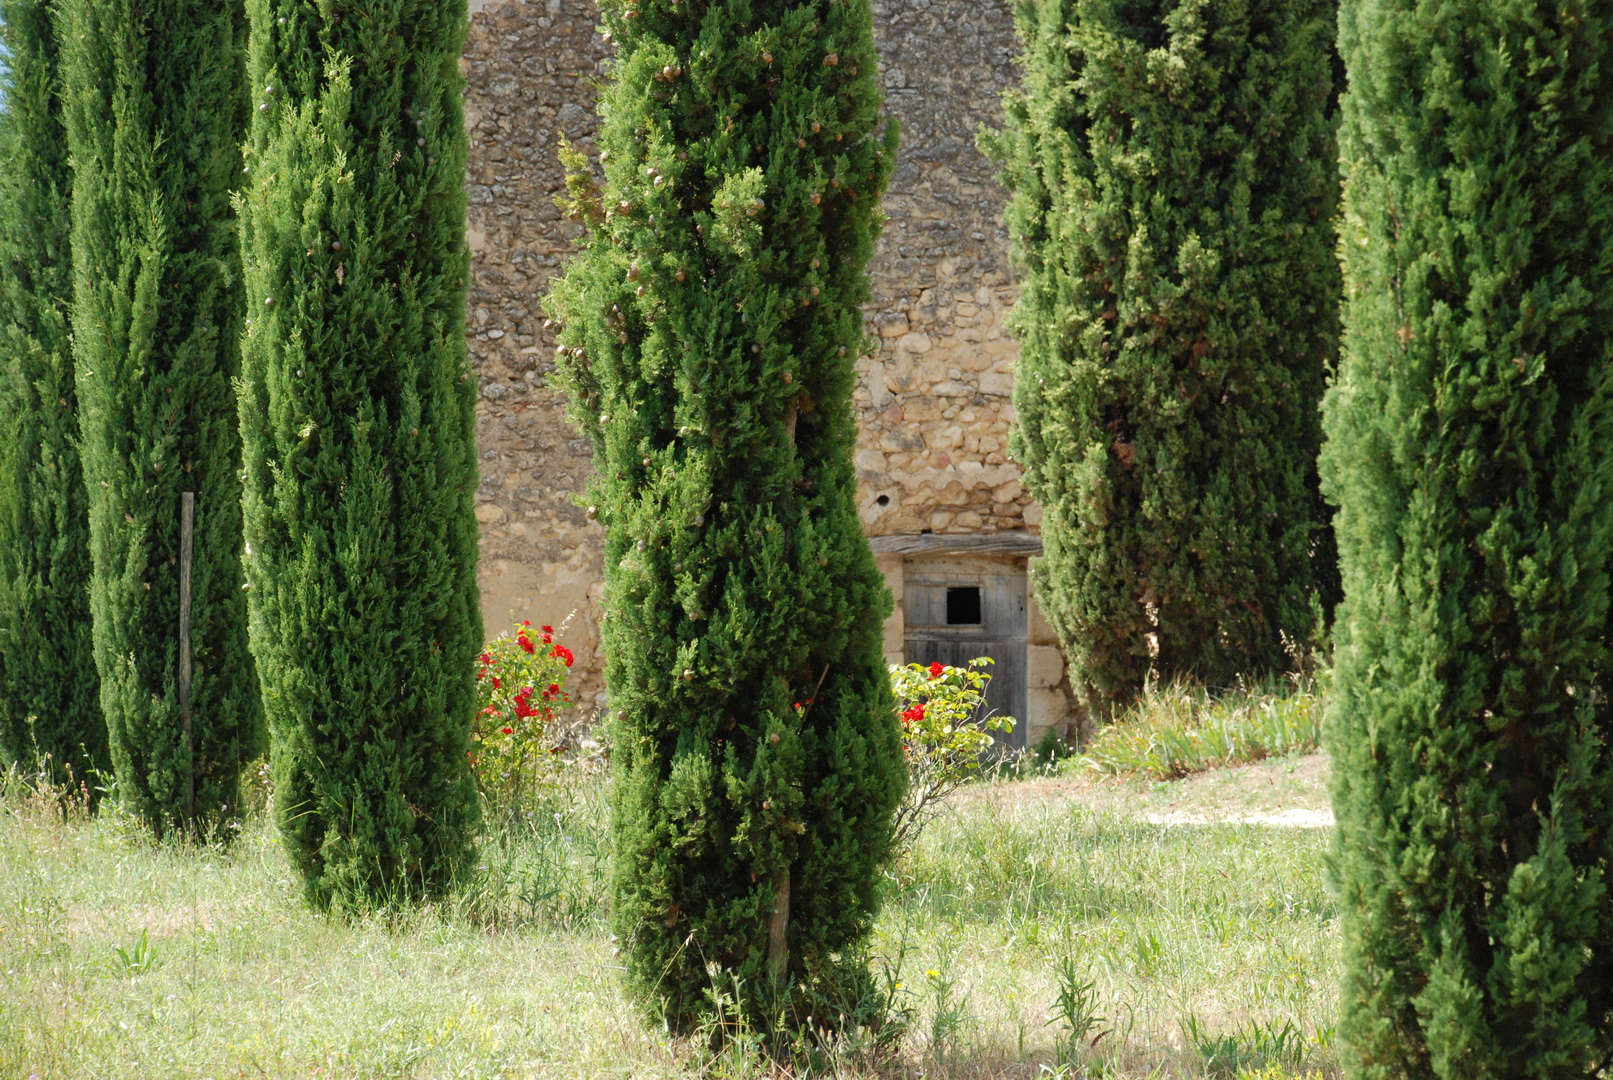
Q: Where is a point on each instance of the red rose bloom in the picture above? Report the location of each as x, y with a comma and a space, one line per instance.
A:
913, 715
487, 658
508, 730
547, 629
496, 684
526, 643
564, 653
937, 669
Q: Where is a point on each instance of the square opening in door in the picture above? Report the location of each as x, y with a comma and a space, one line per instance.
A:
963, 606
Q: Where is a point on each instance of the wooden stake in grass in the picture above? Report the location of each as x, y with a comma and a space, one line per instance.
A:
187, 536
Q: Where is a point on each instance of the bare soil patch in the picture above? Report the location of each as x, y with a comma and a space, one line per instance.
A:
1290, 791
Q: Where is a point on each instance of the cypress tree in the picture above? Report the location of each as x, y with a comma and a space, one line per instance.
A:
47, 669
710, 328
154, 113
1470, 452
357, 415
1172, 170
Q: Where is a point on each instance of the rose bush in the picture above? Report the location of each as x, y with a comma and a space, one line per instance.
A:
517, 738
944, 735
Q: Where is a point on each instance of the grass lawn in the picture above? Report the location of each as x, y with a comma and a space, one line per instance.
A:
1206, 946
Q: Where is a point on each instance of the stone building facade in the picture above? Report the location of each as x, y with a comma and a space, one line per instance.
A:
950, 522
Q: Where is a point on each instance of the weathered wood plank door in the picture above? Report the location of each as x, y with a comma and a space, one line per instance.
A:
959, 608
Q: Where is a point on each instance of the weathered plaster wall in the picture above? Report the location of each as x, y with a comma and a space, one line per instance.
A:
934, 400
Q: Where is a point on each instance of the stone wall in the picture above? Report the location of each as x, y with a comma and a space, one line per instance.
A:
529, 65
934, 399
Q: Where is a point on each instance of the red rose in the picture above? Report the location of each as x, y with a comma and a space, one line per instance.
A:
497, 685
913, 715
547, 629
564, 653
508, 730
937, 669
526, 622
487, 658
526, 644
554, 688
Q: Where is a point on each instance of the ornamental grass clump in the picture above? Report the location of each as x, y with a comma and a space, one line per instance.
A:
710, 327
1182, 729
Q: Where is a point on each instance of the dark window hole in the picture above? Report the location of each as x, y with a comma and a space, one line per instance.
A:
963, 606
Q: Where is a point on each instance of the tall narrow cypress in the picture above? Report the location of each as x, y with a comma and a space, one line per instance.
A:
1470, 452
49, 692
1173, 174
711, 324
357, 414
154, 108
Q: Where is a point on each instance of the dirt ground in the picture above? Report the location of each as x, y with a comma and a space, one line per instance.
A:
1279, 791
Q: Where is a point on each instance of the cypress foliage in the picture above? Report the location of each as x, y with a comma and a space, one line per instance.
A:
357, 414
1173, 179
711, 325
154, 114
1470, 452
47, 669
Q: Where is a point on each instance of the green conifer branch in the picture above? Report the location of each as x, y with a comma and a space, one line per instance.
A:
357, 417
154, 115
710, 331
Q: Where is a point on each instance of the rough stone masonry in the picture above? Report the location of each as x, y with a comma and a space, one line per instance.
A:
934, 399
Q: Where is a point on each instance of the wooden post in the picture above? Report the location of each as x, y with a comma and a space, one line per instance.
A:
778, 927
187, 531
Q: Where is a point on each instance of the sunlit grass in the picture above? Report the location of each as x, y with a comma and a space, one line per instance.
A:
1180, 730
1191, 941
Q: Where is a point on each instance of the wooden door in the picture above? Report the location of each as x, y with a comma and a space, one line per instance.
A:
957, 609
